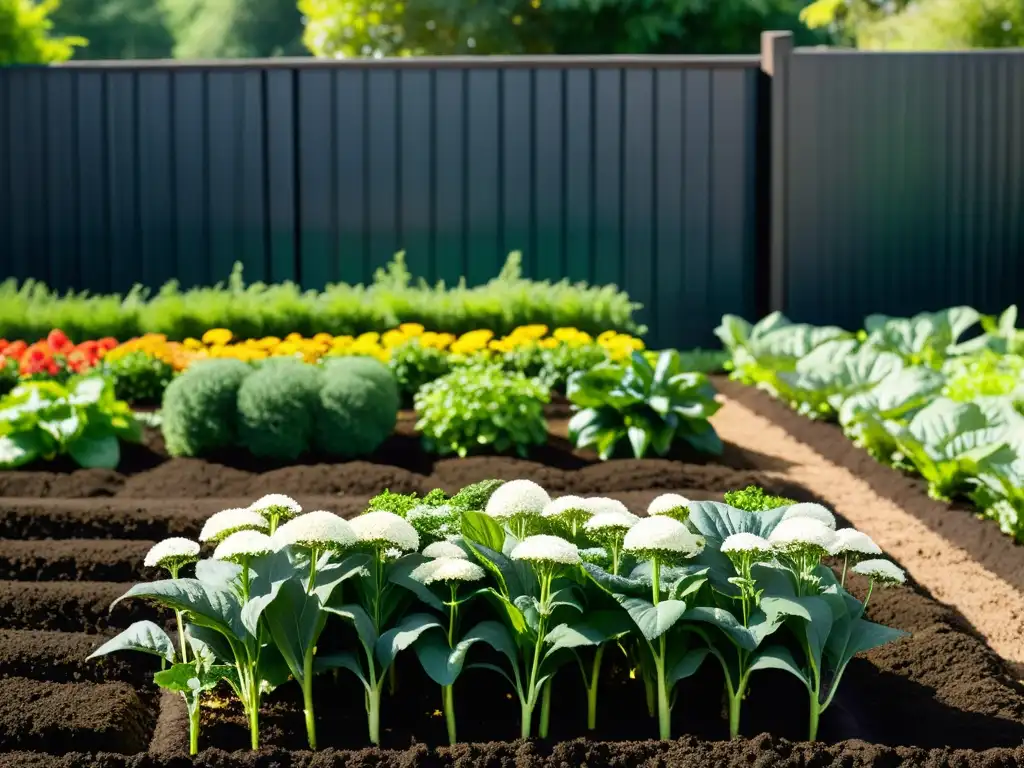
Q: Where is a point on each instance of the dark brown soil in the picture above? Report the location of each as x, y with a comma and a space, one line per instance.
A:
956, 522
59, 717
75, 539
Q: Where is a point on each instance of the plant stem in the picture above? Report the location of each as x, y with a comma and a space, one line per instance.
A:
181, 638
649, 691
254, 724
846, 562
448, 697
545, 709
595, 676
531, 698
373, 713
525, 716
307, 697
193, 725
871, 586
312, 571
616, 555
664, 706
812, 731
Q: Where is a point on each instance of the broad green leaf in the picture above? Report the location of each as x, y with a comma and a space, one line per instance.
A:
21, 448
295, 621
207, 605
398, 573
93, 451
778, 657
653, 620
687, 665
143, 636
724, 621
866, 635
596, 628
443, 664
343, 660
87, 391
815, 631
219, 573
408, 631
185, 678
617, 585
480, 528
211, 639
360, 620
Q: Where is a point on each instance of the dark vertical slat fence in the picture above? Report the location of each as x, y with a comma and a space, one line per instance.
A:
904, 182
639, 172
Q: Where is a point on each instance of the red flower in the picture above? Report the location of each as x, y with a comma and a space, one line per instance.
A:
36, 360
15, 349
107, 343
59, 343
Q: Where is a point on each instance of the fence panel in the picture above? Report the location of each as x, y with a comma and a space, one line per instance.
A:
635, 171
904, 182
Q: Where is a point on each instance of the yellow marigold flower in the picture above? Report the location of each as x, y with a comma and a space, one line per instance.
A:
549, 343
411, 329
323, 338
531, 331
606, 337
369, 336
286, 348
191, 343
268, 342
217, 336
437, 340
393, 338
293, 337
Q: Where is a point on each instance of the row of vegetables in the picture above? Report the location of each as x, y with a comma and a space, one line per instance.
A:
939, 394
504, 578
339, 397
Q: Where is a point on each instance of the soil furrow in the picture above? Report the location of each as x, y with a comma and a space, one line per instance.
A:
60, 657
73, 606
74, 560
59, 717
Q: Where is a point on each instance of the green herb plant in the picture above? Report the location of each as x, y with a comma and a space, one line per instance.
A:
482, 408
650, 407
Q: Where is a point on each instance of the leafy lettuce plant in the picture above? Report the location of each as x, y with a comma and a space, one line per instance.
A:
772, 345
925, 339
754, 499
946, 441
83, 419
648, 406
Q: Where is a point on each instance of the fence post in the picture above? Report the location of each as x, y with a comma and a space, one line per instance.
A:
776, 51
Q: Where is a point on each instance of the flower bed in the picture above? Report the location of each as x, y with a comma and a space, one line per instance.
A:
54, 611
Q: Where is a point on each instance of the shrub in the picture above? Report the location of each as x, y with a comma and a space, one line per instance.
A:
199, 411
474, 497
414, 365
648, 406
482, 407
139, 377
277, 409
754, 499
357, 409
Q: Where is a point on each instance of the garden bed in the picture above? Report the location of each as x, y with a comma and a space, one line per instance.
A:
73, 541
957, 522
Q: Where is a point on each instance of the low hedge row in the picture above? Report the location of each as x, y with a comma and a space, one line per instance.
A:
259, 310
281, 409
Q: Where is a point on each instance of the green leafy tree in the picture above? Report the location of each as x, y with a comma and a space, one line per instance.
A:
949, 25
116, 29
25, 34
235, 28
440, 27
